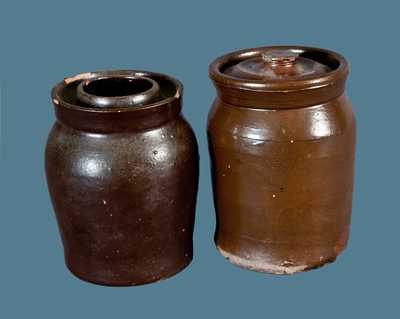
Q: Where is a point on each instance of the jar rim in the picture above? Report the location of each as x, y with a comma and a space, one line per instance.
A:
71, 111
59, 101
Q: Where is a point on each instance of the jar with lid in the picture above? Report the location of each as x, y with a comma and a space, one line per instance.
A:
282, 144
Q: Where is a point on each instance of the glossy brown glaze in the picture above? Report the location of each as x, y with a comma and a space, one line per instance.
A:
123, 180
282, 156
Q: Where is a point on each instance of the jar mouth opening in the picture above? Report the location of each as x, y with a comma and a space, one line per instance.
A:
117, 91
113, 86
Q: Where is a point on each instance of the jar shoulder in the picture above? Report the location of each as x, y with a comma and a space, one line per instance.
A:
309, 123
161, 148
173, 132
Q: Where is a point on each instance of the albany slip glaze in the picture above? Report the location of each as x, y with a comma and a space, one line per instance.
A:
122, 172
282, 139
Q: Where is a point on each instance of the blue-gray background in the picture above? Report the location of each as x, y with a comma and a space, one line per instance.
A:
44, 41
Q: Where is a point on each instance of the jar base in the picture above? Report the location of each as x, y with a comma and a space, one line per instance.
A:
127, 283
268, 267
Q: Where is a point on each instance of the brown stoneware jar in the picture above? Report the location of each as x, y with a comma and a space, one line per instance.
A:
281, 138
122, 172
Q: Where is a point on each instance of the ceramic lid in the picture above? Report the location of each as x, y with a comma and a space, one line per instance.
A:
279, 76
277, 64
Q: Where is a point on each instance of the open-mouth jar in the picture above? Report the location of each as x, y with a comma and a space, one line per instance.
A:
122, 172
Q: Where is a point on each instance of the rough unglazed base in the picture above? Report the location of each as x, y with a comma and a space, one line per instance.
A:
263, 266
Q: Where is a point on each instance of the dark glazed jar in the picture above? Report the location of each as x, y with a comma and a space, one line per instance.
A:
282, 139
122, 172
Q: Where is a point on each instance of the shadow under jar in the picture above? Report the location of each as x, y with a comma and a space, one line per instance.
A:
282, 142
122, 172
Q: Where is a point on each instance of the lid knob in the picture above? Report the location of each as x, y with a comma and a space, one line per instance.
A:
285, 58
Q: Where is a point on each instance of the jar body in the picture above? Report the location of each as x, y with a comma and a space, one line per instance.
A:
282, 181
124, 201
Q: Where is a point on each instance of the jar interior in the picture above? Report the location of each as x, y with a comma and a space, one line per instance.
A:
117, 86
